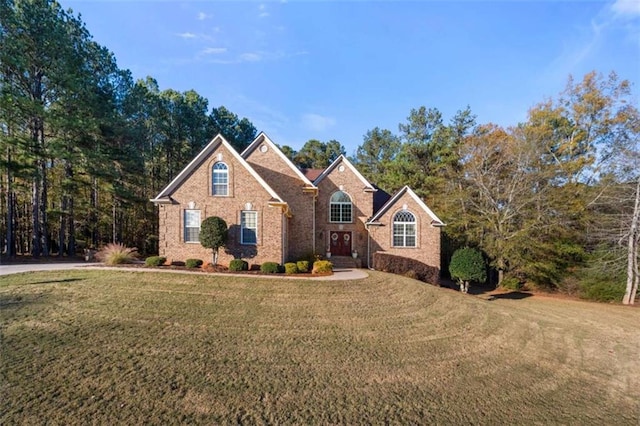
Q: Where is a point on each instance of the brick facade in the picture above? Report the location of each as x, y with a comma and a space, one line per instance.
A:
293, 213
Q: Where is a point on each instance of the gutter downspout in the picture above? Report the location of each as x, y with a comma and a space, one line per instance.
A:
313, 230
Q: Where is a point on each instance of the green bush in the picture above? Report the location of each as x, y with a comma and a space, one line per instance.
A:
511, 283
155, 260
270, 267
193, 263
322, 267
290, 268
116, 254
602, 290
238, 265
303, 266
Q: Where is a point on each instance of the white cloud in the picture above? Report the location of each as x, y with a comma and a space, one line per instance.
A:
628, 8
263, 11
214, 50
317, 122
202, 16
187, 35
251, 57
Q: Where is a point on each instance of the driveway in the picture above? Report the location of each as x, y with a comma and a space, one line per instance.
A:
338, 274
34, 267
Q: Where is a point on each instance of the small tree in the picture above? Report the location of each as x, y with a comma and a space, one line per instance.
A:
467, 264
213, 235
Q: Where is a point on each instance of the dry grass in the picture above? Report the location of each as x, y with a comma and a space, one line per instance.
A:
127, 347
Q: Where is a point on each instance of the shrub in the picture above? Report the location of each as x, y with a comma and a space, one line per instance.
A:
467, 264
405, 266
303, 266
193, 263
322, 267
270, 267
238, 265
213, 235
602, 290
155, 260
511, 283
290, 268
116, 254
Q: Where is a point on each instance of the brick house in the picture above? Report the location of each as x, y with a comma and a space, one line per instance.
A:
278, 212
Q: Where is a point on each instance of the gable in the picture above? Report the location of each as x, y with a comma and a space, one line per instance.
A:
164, 196
262, 144
343, 162
394, 203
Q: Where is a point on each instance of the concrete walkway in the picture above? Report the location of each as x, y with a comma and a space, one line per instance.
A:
338, 274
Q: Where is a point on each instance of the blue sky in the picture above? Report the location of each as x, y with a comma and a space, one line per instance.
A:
304, 70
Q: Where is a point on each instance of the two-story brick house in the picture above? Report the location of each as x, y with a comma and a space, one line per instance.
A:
277, 212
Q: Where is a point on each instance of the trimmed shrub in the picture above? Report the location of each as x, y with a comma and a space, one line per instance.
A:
238, 265
405, 266
116, 254
322, 267
193, 263
290, 268
155, 260
303, 266
270, 267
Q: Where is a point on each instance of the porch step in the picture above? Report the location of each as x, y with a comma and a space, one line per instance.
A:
345, 262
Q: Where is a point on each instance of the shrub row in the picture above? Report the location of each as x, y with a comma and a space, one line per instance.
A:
408, 267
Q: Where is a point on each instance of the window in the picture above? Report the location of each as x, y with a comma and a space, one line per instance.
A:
191, 226
404, 229
340, 207
220, 179
249, 227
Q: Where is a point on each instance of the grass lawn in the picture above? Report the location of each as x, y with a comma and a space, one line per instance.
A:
103, 347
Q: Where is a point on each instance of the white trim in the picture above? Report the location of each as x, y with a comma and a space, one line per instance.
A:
184, 225
263, 138
435, 220
213, 174
415, 229
341, 203
204, 154
343, 159
242, 228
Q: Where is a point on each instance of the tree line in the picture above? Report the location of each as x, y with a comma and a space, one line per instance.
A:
83, 147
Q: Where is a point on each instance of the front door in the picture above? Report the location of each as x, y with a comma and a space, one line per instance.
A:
340, 243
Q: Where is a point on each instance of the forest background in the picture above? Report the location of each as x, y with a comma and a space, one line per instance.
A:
552, 202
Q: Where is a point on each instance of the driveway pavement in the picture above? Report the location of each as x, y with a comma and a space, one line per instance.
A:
338, 274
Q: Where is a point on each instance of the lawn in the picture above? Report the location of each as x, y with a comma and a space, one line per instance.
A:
106, 347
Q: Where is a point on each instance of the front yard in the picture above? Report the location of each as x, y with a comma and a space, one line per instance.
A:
102, 347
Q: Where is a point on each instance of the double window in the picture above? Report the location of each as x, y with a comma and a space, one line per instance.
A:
249, 227
340, 208
404, 229
220, 179
191, 226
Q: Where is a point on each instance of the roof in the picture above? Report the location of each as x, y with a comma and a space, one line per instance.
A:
343, 159
435, 221
263, 138
164, 195
380, 198
312, 174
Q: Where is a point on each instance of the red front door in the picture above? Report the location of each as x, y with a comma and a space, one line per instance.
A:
340, 243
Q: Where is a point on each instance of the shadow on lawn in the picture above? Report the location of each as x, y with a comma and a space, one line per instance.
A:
65, 280
487, 291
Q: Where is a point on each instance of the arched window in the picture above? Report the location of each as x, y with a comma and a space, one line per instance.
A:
340, 207
404, 229
220, 179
